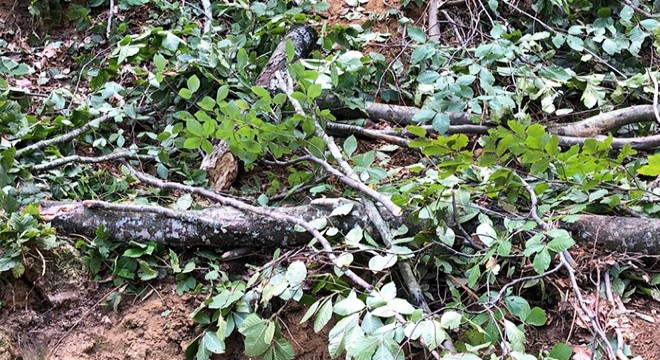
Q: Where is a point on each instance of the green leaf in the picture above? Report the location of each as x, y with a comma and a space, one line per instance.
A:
350, 305
441, 123
561, 243
193, 143
423, 116
280, 350
342, 210
561, 352
421, 53
575, 43
222, 93
296, 273
323, 316
515, 336
536, 317
314, 91
542, 261
381, 262
160, 62
311, 311
518, 306
212, 343
416, 33
653, 167
185, 93
350, 145
195, 127
254, 330
450, 320
193, 83
207, 103
486, 234
610, 47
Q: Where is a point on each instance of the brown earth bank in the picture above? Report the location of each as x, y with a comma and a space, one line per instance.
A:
76, 322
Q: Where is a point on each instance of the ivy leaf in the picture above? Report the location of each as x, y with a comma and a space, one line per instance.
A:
575, 43
610, 47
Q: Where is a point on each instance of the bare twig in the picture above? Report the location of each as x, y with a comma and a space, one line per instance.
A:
359, 186
111, 12
344, 129
120, 154
208, 14
617, 329
655, 96
433, 28
65, 137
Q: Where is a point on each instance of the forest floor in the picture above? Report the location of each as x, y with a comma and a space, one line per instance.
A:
66, 315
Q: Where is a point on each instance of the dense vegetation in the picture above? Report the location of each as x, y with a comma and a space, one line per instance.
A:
158, 89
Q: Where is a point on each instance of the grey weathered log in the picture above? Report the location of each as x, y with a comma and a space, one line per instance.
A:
219, 227
303, 39
601, 123
228, 228
625, 234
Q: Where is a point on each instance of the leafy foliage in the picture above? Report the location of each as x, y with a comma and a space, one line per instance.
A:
172, 90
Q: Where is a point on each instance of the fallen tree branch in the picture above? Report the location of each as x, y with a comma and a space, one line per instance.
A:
268, 212
120, 154
625, 234
65, 137
604, 122
569, 134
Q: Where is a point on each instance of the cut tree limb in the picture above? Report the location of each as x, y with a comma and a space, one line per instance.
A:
221, 227
639, 235
601, 123
224, 227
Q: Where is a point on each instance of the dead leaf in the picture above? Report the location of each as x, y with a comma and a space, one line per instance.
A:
581, 352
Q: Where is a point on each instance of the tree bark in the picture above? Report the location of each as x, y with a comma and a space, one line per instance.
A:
228, 228
220, 227
625, 234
